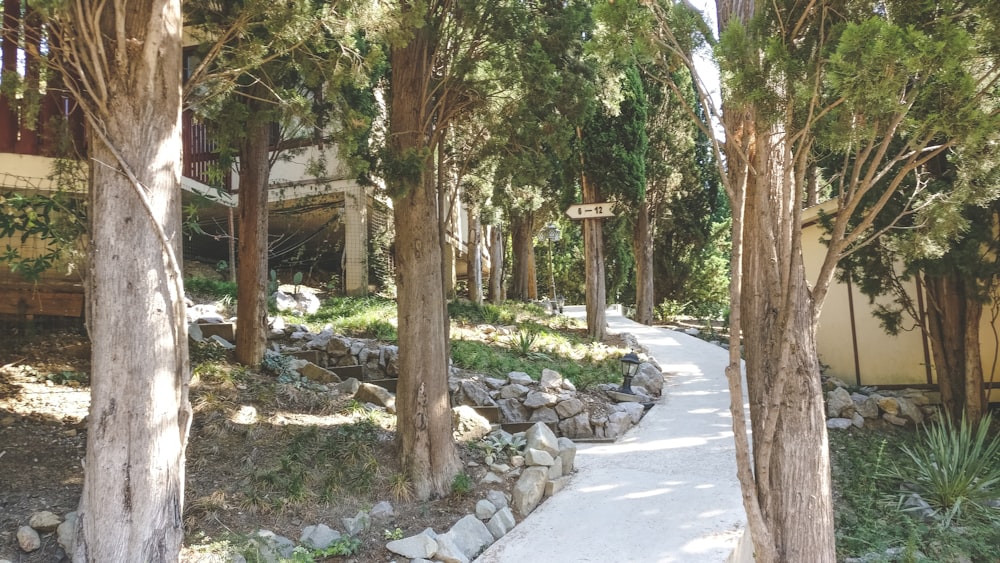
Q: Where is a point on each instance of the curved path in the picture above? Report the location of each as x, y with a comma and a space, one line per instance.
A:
665, 492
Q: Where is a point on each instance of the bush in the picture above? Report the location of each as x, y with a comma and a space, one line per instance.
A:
954, 469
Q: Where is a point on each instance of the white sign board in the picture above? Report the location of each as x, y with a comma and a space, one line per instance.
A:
590, 210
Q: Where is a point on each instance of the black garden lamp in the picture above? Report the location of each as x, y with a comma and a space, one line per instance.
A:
630, 366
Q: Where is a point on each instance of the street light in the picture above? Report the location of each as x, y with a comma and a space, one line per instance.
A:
552, 234
630, 367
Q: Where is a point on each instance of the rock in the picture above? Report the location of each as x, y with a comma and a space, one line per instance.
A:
519, 378
618, 423
306, 302
312, 371
910, 410
272, 547
195, 333
448, 551
499, 467
577, 426
567, 453
414, 547
468, 424
44, 521
66, 532
369, 393
839, 403
541, 437
866, 407
491, 477
538, 399
649, 377
514, 391
382, 511
27, 539
358, 524
915, 505
567, 385
222, 342
517, 460
470, 536
555, 485
349, 386
485, 509
556, 469
501, 523
275, 326
529, 489
319, 536
284, 301
569, 408
550, 379
858, 420
839, 423
534, 457
476, 393
893, 419
633, 410
498, 498
889, 405
511, 410
494, 383
544, 414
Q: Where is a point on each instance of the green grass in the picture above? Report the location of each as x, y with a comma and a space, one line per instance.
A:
359, 317
214, 289
868, 523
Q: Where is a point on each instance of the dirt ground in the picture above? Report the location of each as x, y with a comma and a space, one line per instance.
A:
233, 469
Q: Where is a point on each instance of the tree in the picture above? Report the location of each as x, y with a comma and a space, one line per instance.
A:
802, 78
265, 68
122, 61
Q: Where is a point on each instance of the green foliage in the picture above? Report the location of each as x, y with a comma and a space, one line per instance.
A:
212, 289
500, 446
955, 469
342, 547
524, 340
366, 317
462, 484
56, 221
394, 534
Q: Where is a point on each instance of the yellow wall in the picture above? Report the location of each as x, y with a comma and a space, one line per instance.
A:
881, 359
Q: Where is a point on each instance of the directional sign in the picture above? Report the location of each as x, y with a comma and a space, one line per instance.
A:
590, 210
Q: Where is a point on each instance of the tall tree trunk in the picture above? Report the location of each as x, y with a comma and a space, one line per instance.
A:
522, 233
134, 475
8, 103
642, 245
593, 250
252, 267
427, 449
474, 264
953, 319
496, 265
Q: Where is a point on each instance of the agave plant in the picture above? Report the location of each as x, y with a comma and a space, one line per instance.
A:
955, 469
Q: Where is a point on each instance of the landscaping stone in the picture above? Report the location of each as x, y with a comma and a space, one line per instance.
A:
448, 551
519, 378
66, 532
44, 521
910, 410
501, 523
529, 489
633, 410
567, 453
414, 547
649, 377
556, 469
349, 386
316, 373
839, 403
368, 393
470, 536
319, 536
538, 399
272, 547
858, 420
498, 498
544, 414
839, 423
27, 539
533, 457
475, 393
554, 486
569, 408
514, 391
550, 379
359, 523
541, 437
381, 511
889, 405
580, 426
468, 424
485, 509
512, 410
893, 419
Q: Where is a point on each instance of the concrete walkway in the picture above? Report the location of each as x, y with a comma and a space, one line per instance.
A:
666, 492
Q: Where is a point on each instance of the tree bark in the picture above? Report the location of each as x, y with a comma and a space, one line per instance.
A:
642, 241
252, 267
427, 449
474, 264
593, 250
140, 415
522, 233
496, 295
953, 319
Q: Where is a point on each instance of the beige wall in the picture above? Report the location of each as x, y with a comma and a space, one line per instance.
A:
867, 350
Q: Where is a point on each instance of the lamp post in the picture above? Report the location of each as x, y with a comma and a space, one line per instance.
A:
552, 234
630, 366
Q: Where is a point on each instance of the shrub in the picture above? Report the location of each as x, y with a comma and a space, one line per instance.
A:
954, 469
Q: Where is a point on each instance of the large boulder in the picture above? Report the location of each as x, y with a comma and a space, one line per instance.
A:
468, 424
541, 437
529, 489
649, 377
550, 380
839, 403
469, 535
538, 399
370, 393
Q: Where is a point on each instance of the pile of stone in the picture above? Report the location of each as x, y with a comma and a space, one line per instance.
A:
29, 537
555, 401
846, 409
542, 471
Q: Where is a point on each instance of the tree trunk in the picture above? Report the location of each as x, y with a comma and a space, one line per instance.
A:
593, 250
252, 267
134, 478
8, 47
474, 265
496, 265
427, 449
953, 318
643, 247
522, 233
